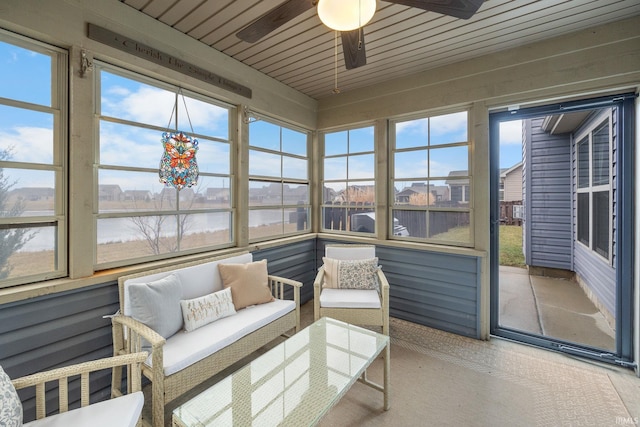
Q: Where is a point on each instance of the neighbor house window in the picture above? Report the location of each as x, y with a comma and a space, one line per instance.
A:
33, 115
593, 153
278, 180
431, 183
139, 218
348, 185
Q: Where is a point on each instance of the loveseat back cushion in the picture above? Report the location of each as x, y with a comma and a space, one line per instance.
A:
249, 283
10, 406
201, 311
157, 304
197, 280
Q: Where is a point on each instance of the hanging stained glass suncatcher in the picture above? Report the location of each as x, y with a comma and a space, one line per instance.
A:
178, 166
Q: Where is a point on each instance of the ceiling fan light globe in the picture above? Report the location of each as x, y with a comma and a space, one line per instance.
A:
346, 15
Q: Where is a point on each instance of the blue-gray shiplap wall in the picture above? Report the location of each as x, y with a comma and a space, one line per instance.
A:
58, 330
598, 274
294, 261
430, 288
547, 174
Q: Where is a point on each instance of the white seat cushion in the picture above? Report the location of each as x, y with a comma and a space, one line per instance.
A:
349, 298
122, 411
186, 348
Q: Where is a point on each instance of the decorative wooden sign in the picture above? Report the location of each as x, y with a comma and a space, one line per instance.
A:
140, 50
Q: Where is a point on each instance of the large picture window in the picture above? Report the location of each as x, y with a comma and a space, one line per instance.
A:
348, 186
431, 179
278, 180
593, 153
33, 114
138, 217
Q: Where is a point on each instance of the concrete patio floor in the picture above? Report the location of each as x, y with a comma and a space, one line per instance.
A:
551, 307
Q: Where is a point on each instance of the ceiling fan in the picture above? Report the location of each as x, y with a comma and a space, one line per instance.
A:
352, 41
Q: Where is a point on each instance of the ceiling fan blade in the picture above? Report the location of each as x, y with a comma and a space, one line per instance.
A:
463, 9
273, 19
353, 48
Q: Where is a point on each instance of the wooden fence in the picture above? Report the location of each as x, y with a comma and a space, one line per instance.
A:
511, 213
337, 216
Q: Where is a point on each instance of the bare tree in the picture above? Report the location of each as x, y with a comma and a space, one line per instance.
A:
151, 226
12, 238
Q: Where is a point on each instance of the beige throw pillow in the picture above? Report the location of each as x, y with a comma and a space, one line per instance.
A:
249, 283
201, 311
350, 274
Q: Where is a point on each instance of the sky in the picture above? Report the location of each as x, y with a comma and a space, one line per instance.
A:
28, 134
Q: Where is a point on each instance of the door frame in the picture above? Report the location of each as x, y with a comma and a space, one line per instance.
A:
624, 221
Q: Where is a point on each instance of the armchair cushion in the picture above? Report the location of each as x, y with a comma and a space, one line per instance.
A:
350, 274
10, 405
204, 310
249, 283
349, 298
157, 304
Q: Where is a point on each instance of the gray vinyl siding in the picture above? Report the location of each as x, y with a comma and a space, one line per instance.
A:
295, 261
429, 288
58, 330
595, 272
547, 172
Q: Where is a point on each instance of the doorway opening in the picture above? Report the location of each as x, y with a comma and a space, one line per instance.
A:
558, 277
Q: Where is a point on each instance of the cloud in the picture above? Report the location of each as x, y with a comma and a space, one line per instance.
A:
29, 144
511, 133
149, 105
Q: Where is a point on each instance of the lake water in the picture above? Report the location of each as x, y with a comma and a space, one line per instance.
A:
123, 229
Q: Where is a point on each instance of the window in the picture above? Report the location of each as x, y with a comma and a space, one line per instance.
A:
348, 186
33, 115
431, 182
593, 153
139, 218
278, 180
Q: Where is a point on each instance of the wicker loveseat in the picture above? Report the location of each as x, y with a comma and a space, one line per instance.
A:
180, 362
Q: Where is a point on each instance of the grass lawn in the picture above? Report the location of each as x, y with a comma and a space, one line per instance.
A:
511, 246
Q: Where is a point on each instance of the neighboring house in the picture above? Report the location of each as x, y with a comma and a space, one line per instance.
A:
438, 193
511, 183
459, 187
138, 195
216, 194
33, 194
569, 199
109, 192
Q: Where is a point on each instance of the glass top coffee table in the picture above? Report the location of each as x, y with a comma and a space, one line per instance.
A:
294, 383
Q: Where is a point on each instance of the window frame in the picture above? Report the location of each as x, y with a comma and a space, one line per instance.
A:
283, 207
176, 211
466, 181
349, 182
586, 135
58, 109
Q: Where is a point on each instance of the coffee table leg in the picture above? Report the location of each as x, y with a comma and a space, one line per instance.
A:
387, 373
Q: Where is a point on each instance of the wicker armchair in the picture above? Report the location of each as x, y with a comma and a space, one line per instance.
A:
122, 411
359, 307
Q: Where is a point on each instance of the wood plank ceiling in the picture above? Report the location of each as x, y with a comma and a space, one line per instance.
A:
400, 40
